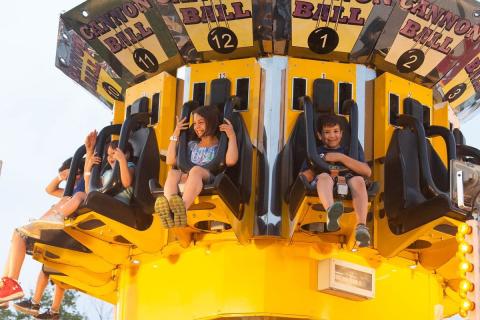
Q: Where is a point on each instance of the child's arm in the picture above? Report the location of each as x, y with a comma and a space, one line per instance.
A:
231, 157
126, 173
53, 189
90, 142
359, 167
87, 169
172, 146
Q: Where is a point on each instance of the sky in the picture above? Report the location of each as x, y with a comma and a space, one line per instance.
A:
44, 117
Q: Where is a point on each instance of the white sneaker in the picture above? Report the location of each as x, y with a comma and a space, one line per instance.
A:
54, 221
30, 230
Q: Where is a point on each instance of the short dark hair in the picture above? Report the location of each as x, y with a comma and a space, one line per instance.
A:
128, 147
65, 164
211, 115
328, 121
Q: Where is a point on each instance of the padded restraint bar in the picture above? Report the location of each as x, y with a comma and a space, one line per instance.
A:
129, 125
74, 167
219, 91
407, 121
217, 164
102, 138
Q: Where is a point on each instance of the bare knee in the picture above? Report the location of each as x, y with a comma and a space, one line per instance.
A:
197, 172
174, 174
324, 180
357, 185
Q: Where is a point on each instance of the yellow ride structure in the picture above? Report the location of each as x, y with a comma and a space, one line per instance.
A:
402, 73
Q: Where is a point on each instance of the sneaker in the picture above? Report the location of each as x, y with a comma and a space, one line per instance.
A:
178, 208
333, 214
362, 235
49, 314
27, 306
10, 290
30, 231
54, 221
163, 210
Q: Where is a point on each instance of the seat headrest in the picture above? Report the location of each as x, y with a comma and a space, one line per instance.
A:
323, 96
219, 92
459, 137
413, 108
138, 106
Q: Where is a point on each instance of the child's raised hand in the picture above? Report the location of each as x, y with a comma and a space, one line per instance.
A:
119, 155
181, 125
227, 128
90, 141
91, 161
64, 174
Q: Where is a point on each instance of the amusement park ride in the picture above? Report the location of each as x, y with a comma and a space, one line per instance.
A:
404, 74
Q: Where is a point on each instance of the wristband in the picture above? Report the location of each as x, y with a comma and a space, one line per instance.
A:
87, 173
173, 138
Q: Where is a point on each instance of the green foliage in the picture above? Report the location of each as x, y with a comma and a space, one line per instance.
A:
68, 309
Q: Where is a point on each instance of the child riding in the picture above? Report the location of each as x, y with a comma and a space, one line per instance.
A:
171, 207
330, 134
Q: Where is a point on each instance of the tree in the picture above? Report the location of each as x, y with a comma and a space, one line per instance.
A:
68, 309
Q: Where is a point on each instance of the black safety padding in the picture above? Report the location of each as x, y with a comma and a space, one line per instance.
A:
413, 108
114, 185
350, 132
75, 165
323, 96
468, 154
139, 106
102, 139
299, 89
426, 116
147, 167
459, 137
129, 215
411, 196
314, 161
199, 92
287, 166
241, 172
344, 95
440, 172
217, 164
416, 126
155, 108
394, 108
61, 239
242, 91
219, 91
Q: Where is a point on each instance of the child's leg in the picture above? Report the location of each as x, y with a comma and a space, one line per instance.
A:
57, 298
42, 282
18, 250
359, 197
55, 207
325, 190
171, 184
194, 184
72, 205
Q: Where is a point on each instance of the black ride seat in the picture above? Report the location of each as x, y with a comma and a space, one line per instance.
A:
138, 214
465, 152
233, 184
292, 188
413, 195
